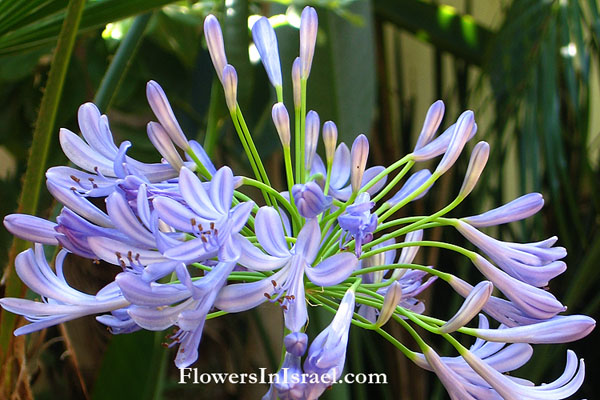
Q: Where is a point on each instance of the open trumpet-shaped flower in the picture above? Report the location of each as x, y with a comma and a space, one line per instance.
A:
207, 215
61, 302
158, 306
532, 263
287, 285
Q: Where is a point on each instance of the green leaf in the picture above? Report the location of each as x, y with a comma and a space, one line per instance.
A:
45, 30
34, 177
441, 25
132, 368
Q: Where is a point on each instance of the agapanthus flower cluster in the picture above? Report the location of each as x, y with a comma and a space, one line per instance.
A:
190, 244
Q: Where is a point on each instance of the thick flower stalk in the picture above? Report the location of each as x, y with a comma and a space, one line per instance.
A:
190, 247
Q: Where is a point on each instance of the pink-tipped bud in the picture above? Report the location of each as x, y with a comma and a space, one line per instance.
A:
433, 119
464, 126
281, 119
479, 158
330, 135
470, 307
390, 302
309, 24
297, 82
312, 138
230, 83
358, 157
160, 139
162, 109
216, 46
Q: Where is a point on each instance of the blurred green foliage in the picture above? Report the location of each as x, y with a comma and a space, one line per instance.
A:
534, 74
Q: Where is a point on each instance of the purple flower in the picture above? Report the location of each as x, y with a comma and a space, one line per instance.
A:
534, 302
479, 372
532, 263
432, 122
310, 200
413, 183
473, 303
162, 109
158, 306
518, 209
286, 285
61, 302
266, 44
309, 23
207, 215
327, 353
358, 222
558, 329
339, 186
31, 228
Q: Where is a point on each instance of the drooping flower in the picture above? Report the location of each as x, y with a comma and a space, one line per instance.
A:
158, 306
61, 302
327, 353
532, 263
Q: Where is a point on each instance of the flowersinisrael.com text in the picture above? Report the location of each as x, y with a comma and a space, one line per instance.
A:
193, 376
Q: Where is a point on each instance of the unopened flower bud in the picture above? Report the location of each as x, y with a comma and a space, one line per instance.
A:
295, 343
464, 126
433, 119
479, 158
330, 135
162, 109
230, 83
470, 307
358, 156
412, 183
312, 137
309, 24
390, 302
216, 47
281, 119
266, 44
161, 141
310, 200
518, 209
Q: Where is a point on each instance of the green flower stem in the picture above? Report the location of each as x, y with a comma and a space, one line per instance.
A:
403, 231
34, 176
120, 63
393, 182
385, 172
428, 243
215, 314
216, 110
409, 198
251, 145
289, 173
297, 134
399, 310
442, 275
328, 178
200, 167
279, 93
249, 154
302, 129
293, 212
